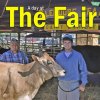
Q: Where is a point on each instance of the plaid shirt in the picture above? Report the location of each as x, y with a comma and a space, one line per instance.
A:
9, 56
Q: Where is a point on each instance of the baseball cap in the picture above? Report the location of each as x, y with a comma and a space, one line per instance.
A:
68, 37
13, 40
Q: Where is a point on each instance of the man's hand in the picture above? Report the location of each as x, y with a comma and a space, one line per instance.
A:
82, 88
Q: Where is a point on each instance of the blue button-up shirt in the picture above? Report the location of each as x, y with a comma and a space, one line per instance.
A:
74, 66
18, 57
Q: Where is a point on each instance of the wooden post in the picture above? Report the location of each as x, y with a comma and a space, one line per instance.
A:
19, 37
76, 38
87, 39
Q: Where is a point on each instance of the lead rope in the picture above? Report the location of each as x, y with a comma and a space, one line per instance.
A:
67, 91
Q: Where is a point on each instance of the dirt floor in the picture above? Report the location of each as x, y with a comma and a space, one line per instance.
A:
49, 91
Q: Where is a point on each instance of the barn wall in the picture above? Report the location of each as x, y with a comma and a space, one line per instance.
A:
87, 39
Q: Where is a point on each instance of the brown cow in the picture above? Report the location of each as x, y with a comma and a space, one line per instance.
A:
22, 81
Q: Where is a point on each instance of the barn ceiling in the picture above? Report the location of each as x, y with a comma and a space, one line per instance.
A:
4, 15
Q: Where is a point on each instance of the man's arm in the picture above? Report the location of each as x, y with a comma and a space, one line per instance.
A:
3, 58
26, 60
83, 72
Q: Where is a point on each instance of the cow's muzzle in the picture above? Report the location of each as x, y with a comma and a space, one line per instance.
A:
62, 73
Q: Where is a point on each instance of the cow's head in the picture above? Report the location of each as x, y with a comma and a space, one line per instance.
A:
49, 63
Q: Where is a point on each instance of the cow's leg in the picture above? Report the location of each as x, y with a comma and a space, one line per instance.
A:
10, 89
9, 95
1, 98
34, 93
25, 97
28, 97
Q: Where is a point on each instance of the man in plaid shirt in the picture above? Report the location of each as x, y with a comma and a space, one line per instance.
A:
14, 54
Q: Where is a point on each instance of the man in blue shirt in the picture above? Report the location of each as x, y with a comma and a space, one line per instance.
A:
75, 77
14, 54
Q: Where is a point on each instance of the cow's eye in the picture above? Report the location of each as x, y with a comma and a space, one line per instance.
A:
49, 62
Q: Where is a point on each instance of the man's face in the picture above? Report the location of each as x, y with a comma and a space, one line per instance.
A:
14, 47
67, 44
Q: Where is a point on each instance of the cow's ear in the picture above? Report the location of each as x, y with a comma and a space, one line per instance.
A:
35, 58
46, 55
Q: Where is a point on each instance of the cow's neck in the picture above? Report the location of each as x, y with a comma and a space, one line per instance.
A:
45, 73
27, 67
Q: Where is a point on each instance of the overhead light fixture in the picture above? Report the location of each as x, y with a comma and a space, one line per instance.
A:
82, 0
4, 8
